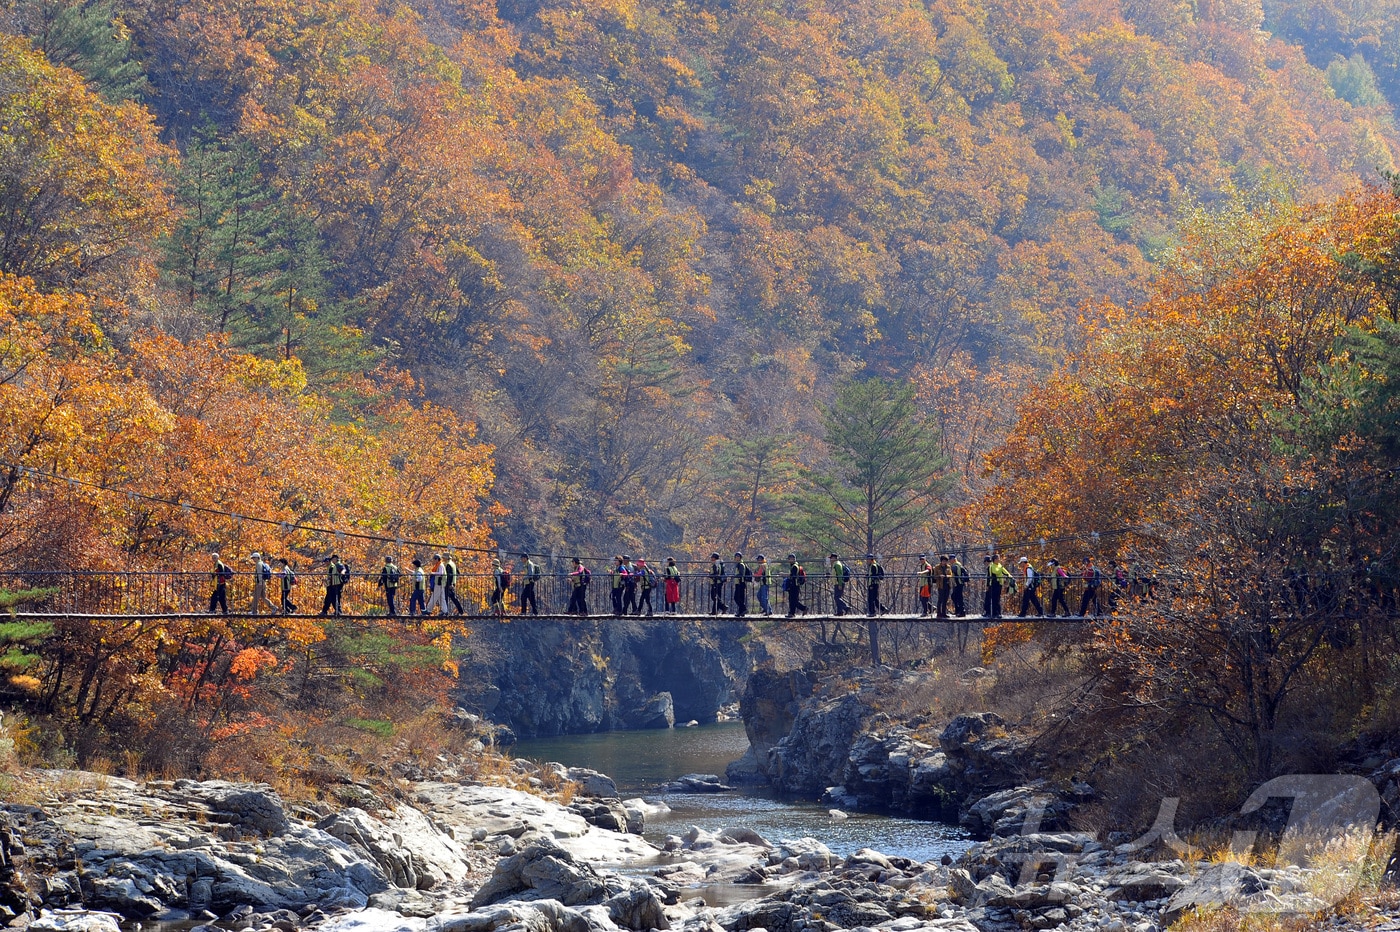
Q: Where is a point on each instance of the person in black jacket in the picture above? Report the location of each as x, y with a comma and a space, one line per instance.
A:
717, 605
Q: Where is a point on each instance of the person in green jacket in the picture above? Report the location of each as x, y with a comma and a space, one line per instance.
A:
763, 575
840, 576
998, 576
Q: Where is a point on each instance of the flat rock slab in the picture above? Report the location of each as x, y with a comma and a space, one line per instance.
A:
484, 811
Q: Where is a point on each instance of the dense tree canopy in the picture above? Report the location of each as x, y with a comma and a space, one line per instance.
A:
693, 218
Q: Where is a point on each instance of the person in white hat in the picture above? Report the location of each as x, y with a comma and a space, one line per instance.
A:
261, 574
1029, 596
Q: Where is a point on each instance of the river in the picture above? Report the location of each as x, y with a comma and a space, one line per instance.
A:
640, 761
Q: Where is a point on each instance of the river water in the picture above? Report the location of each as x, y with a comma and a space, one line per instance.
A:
639, 761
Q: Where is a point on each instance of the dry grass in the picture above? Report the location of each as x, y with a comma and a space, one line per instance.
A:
1347, 872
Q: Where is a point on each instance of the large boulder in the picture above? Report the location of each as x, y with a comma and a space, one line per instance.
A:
544, 872
541, 871
769, 708
1020, 810
591, 783
407, 847
813, 756
658, 711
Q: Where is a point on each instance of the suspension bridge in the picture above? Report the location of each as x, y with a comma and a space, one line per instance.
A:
141, 595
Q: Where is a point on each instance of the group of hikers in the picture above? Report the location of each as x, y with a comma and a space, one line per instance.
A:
941, 586
431, 587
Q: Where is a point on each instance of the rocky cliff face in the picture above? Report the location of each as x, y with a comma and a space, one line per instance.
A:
827, 739
602, 674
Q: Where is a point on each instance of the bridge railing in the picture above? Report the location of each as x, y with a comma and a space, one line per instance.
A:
164, 593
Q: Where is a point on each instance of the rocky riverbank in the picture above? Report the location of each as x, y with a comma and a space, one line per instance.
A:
822, 738
85, 851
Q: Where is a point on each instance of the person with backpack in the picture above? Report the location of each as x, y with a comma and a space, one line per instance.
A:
960, 578
840, 576
1120, 587
987, 580
416, 603
615, 577
671, 587
221, 576
389, 582
1092, 579
631, 578
335, 581
796, 579
578, 594
1030, 596
943, 576
1059, 580
531, 575
926, 584
874, 575
742, 576
501, 575
449, 566
289, 579
763, 575
646, 582
262, 574
717, 606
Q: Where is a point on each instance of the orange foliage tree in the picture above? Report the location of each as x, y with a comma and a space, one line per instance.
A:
1191, 422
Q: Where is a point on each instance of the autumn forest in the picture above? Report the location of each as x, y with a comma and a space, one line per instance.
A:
581, 275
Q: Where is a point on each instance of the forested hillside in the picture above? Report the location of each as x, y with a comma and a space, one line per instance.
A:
635, 244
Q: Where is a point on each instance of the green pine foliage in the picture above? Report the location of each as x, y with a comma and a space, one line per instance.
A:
88, 37
884, 476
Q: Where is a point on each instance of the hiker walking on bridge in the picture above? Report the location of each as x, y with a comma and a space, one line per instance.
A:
763, 574
501, 577
742, 575
437, 586
531, 575
926, 584
646, 580
450, 575
943, 576
220, 575
960, 577
615, 585
717, 606
416, 604
336, 574
630, 576
1058, 582
578, 596
1030, 597
793, 584
840, 576
874, 575
672, 575
1092, 578
289, 579
997, 576
389, 582
262, 574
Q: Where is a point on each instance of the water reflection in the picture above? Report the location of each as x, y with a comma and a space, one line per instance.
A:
640, 761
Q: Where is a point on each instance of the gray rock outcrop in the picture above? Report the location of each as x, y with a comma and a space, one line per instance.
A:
604, 673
